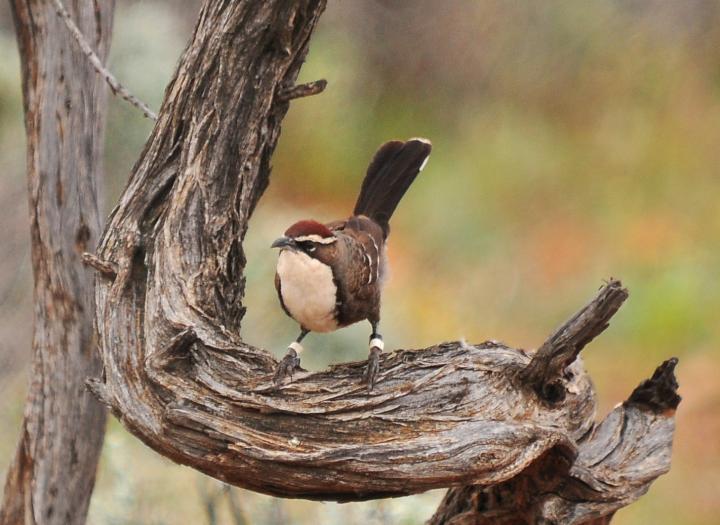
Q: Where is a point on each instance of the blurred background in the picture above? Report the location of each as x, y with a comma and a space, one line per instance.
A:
573, 141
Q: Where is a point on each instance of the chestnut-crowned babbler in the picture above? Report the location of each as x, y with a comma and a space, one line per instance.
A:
331, 275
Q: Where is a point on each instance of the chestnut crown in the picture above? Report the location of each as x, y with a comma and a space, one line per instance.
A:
310, 230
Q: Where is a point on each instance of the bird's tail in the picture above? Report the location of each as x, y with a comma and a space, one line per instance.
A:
391, 172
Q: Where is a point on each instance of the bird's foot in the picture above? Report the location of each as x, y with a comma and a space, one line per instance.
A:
373, 367
289, 364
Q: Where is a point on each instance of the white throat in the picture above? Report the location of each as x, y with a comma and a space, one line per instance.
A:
308, 290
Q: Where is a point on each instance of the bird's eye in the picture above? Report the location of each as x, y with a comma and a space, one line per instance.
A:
308, 246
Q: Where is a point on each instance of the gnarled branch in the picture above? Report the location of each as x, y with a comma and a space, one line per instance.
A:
549, 364
616, 463
181, 378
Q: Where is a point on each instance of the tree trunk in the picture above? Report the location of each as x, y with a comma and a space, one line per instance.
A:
179, 376
53, 473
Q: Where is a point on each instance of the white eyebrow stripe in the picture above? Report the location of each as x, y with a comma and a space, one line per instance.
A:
316, 238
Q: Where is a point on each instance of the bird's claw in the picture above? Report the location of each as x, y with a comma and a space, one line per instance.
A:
287, 366
373, 367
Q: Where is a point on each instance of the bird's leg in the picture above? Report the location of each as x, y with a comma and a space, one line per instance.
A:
376, 348
291, 361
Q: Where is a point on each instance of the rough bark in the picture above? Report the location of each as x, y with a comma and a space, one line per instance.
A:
617, 460
169, 307
52, 475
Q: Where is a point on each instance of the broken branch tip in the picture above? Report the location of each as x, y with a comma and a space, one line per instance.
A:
659, 393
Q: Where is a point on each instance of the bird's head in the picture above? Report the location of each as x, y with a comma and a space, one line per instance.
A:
307, 236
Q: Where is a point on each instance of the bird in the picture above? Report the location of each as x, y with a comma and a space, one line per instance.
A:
331, 275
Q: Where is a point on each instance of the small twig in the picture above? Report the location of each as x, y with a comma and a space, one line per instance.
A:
547, 367
302, 90
105, 268
659, 393
98, 389
125, 266
116, 87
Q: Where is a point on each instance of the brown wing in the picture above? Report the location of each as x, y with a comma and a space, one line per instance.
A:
362, 241
361, 244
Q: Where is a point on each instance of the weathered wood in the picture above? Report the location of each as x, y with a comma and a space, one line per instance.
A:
617, 460
547, 368
51, 478
169, 310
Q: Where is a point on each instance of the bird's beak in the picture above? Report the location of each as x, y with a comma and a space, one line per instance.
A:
283, 242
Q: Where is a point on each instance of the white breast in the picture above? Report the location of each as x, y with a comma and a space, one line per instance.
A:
307, 290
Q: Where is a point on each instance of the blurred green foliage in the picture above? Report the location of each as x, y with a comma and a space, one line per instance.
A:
573, 141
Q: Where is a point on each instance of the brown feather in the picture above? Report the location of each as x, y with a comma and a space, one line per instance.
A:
389, 175
360, 260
